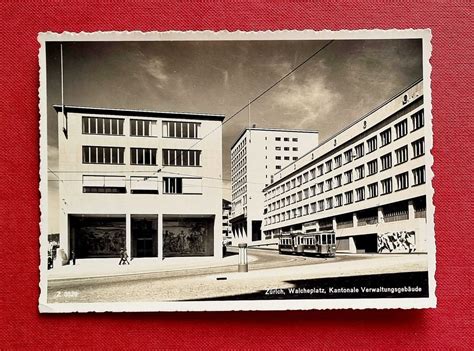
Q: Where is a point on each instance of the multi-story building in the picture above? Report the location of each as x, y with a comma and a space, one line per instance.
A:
144, 181
256, 155
226, 226
367, 182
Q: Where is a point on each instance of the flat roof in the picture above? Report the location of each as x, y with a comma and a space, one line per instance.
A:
140, 113
386, 102
280, 130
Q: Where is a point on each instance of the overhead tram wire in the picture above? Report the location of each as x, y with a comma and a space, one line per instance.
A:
260, 95
229, 118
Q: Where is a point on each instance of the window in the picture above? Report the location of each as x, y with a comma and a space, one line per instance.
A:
295, 158
338, 200
328, 184
186, 130
295, 139
402, 154
348, 156
277, 148
338, 181
286, 139
359, 172
286, 148
338, 161
295, 149
141, 127
103, 155
418, 120
401, 129
103, 184
306, 193
277, 157
386, 161
174, 185
372, 167
305, 177
386, 137
328, 166
321, 205
287, 158
299, 195
278, 167
187, 158
360, 194
313, 207
277, 139
313, 173
144, 185
386, 186
402, 181
349, 197
373, 190
329, 203
320, 170
348, 176
359, 150
102, 126
418, 147
140, 156
372, 144
312, 190
320, 188
419, 176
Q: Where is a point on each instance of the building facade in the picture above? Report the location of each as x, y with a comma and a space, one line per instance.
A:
256, 155
139, 180
367, 182
226, 226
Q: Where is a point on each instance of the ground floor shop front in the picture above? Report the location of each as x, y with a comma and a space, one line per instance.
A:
141, 235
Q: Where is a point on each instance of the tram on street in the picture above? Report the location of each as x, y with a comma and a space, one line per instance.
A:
315, 243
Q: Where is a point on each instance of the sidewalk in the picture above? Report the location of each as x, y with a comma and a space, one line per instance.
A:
101, 267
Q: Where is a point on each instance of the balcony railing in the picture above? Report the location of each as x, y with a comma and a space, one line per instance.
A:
367, 221
394, 217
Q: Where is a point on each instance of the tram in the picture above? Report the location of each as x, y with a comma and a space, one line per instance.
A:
315, 243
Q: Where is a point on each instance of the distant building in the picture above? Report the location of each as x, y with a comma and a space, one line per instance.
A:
367, 182
226, 211
144, 181
256, 155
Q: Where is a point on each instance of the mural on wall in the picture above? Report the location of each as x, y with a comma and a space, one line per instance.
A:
393, 242
186, 238
99, 238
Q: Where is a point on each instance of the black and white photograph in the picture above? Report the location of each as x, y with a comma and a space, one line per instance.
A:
209, 171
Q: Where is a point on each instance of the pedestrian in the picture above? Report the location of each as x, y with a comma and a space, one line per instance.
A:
121, 257
125, 257
73, 257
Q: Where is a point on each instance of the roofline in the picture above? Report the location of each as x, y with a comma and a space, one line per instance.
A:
345, 128
283, 130
141, 113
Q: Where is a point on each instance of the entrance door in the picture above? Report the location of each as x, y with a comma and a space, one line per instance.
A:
144, 235
144, 247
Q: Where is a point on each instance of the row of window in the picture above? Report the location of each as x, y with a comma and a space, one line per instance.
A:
286, 148
286, 139
140, 185
140, 156
401, 156
347, 198
140, 127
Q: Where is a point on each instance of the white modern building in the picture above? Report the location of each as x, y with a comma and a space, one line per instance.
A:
367, 182
144, 181
256, 155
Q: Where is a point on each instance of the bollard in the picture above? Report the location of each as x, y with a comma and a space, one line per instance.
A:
243, 262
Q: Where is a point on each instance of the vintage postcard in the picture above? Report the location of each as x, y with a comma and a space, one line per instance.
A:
208, 171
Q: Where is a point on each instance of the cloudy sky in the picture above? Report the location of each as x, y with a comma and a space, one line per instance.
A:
337, 86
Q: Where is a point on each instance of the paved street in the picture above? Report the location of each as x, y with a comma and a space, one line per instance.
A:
267, 270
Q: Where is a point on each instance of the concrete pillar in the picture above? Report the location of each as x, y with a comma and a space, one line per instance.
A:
354, 219
411, 210
160, 236
380, 214
352, 245
317, 226
128, 234
334, 223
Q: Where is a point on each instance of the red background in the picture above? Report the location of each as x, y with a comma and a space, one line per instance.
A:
444, 327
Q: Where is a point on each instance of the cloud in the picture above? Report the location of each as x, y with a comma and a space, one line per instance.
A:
306, 102
156, 69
